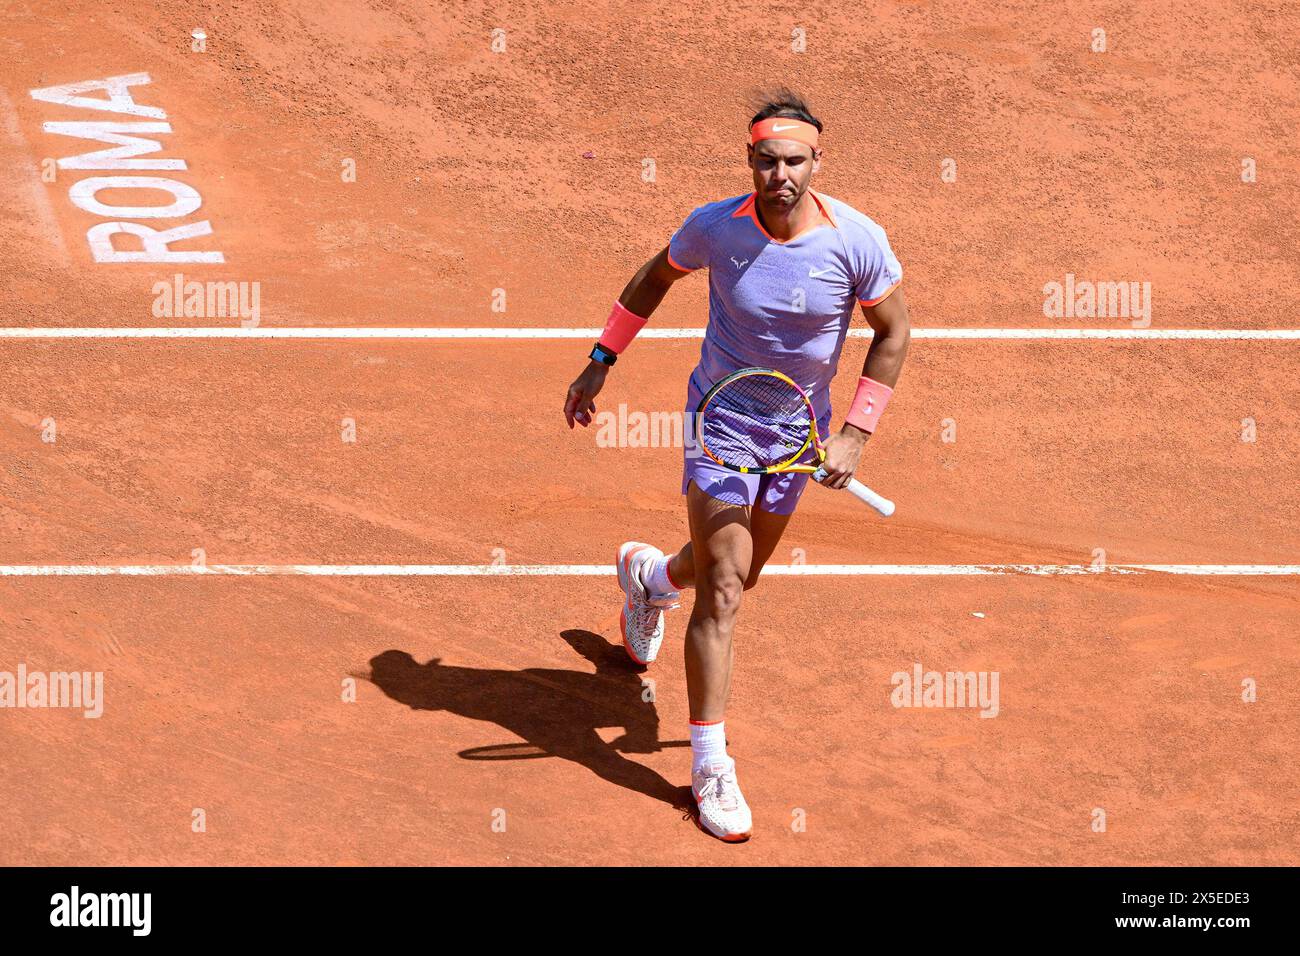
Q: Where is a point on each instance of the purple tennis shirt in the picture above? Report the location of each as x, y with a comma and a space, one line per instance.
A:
782, 305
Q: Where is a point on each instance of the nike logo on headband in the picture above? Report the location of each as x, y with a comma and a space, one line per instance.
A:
781, 129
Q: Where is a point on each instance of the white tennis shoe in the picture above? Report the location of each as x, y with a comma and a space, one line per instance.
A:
642, 620
723, 810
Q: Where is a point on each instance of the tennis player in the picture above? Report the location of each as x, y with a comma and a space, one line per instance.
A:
786, 267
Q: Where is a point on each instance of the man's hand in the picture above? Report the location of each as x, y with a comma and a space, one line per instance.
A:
579, 407
843, 451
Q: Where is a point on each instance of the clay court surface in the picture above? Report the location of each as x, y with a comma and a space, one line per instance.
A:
224, 692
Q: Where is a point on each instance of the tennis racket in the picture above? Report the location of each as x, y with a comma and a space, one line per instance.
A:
758, 421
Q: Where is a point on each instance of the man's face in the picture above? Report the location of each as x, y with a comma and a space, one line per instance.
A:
782, 170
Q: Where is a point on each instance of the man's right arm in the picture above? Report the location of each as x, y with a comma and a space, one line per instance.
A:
641, 296
648, 287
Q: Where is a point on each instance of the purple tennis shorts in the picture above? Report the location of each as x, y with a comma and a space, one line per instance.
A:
777, 494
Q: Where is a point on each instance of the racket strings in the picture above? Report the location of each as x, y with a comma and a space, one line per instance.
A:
755, 421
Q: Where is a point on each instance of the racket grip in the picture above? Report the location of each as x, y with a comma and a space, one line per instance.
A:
862, 493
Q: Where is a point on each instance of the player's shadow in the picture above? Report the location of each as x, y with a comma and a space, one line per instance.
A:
556, 711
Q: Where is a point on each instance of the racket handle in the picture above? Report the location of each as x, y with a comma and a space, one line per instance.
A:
862, 493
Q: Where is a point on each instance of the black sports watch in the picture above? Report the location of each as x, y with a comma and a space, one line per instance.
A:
603, 355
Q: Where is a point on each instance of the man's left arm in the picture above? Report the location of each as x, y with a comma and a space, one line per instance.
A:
880, 372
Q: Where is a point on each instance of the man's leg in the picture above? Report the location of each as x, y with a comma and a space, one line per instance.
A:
765, 529
652, 580
722, 550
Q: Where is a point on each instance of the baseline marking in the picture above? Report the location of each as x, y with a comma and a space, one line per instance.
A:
219, 332
608, 570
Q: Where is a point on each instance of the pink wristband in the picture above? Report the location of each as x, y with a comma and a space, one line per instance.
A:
620, 328
868, 404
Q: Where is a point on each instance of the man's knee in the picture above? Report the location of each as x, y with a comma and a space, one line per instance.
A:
725, 586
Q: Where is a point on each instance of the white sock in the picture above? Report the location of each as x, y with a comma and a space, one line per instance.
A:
708, 742
654, 575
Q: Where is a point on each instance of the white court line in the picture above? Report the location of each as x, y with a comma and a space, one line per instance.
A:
608, 570
261, 332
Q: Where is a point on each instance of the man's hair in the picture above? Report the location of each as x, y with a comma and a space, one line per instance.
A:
781, 101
